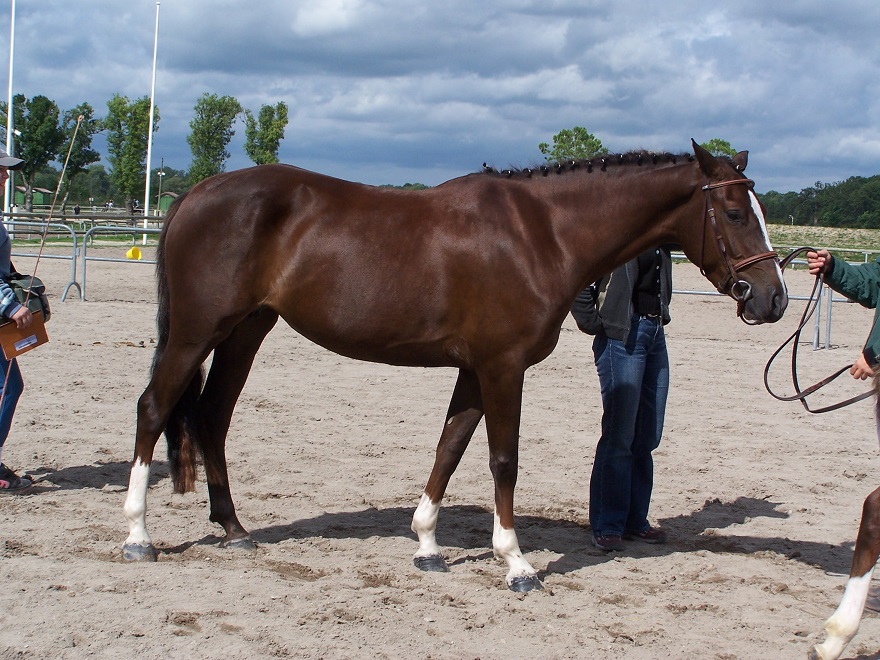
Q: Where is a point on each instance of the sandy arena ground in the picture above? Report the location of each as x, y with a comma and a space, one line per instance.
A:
328, 459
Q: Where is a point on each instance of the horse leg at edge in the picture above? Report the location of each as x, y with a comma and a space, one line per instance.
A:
843, 625
173, 373
230, 367
502, 398
465, 412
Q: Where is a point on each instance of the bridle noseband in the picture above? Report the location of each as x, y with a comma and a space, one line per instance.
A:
739, 289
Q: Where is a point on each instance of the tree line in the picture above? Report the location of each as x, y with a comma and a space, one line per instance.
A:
46, 137
851, 203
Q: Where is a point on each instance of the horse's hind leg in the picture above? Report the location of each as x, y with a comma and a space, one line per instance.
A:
173, 373
232, 362
465, 412
842, 626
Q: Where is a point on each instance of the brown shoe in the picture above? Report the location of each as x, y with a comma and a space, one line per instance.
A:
608, 542
10, 482
653, 535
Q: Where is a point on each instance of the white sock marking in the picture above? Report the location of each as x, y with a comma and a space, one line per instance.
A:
843, 625
506, 546
424, 524
135, 508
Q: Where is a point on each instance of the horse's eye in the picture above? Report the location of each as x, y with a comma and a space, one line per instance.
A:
734, 215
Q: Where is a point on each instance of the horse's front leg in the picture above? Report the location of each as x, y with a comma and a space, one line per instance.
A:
843, 625
465, 412
502, 398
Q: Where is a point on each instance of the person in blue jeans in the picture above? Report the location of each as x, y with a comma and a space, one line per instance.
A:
626, 311
11, 383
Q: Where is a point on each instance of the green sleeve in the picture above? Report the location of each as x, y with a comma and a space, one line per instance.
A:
860, 283
872, 346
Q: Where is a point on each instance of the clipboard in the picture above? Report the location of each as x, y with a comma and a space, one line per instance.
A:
15, 342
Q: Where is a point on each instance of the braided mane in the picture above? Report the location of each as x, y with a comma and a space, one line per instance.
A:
595, 164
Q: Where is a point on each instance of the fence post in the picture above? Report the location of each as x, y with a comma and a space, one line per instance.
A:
828, 302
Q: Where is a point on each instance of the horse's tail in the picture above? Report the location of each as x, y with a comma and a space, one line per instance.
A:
184, 427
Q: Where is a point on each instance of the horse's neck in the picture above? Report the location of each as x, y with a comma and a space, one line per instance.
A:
621, 216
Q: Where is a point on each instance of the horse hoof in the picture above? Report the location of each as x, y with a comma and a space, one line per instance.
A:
431, 563
525, 583
239, 544
137, 552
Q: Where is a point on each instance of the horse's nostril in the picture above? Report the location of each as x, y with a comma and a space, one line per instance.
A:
778, 304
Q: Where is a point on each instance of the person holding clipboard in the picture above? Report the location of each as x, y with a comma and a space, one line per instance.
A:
11, 383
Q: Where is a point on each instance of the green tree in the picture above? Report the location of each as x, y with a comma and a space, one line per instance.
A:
41, 138
92, 187
406, 186
127, 125
172, 181
718, 147
780, 207
807, 206
212, 131
264, 133
80, 126
572, 144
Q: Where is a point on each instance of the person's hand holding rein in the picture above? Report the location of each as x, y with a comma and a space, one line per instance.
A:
819, 262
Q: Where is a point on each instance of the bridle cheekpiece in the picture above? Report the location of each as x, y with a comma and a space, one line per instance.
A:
739, 289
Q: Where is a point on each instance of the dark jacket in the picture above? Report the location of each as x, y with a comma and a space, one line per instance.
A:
9, 306
607, 305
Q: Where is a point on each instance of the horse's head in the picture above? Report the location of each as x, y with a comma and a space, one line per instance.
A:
733, 250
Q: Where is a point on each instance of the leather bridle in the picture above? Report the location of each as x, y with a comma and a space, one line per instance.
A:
739, 289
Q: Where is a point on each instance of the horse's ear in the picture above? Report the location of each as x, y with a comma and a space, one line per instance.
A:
741, 160
708, 163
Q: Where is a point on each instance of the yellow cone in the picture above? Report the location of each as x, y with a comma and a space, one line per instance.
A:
133, 253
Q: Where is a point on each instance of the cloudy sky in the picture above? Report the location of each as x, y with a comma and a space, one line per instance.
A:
395, 91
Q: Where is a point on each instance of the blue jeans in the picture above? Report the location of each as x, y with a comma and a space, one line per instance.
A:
634, 379
11, 394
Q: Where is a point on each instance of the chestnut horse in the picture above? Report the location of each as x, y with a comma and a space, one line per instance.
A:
478, 273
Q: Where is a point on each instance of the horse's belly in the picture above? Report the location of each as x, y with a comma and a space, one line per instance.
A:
377, 347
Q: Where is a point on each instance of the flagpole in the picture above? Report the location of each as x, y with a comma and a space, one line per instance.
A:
8, 190
150, 126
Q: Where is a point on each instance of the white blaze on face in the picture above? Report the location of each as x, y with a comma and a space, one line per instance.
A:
756, 209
